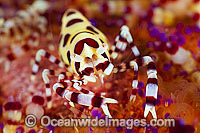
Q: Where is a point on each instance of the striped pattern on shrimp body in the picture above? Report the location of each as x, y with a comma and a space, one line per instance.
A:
81, 41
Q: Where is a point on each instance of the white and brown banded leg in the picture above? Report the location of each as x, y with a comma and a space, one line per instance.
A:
121, 42
42, 53
152, 84
77, 85
45, 75
66, 83
84, 99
